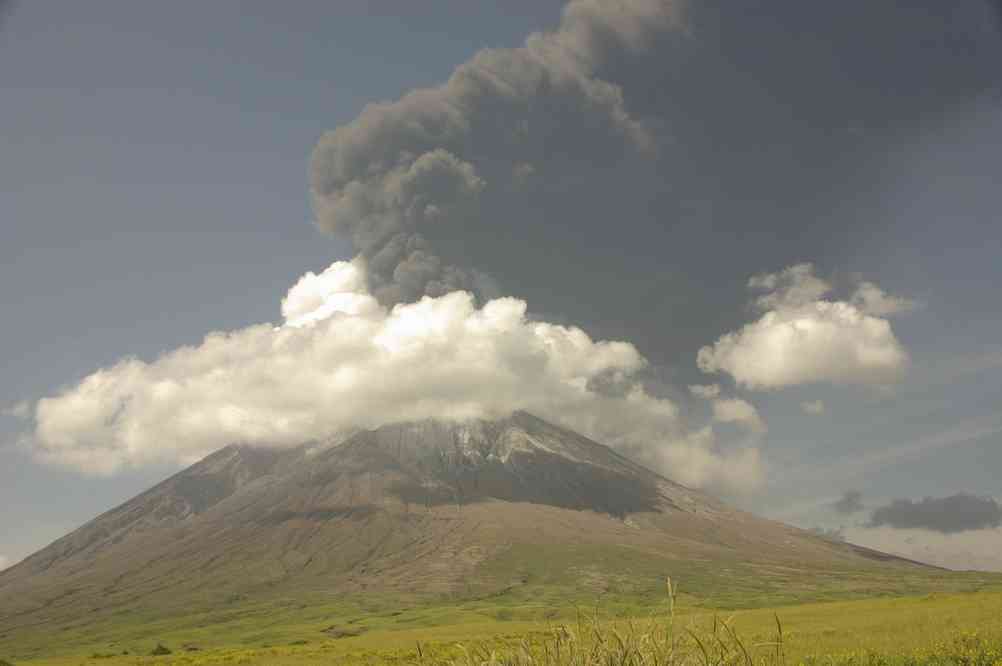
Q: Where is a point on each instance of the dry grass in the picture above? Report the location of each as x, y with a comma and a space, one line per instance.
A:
661, 641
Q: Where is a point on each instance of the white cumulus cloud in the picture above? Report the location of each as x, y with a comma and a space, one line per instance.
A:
735, 410
800, 338
730, 410
698, 462
342, 360
792, 287
873, 300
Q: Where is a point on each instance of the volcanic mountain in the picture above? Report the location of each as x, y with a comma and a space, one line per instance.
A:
427, 510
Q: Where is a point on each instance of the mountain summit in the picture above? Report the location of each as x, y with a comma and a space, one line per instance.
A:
413, 509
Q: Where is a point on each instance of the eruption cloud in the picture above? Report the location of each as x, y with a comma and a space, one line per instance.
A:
505, 117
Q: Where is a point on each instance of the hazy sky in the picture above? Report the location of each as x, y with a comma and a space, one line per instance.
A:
155, 185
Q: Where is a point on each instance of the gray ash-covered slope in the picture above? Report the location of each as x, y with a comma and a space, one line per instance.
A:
168, 504
415, 509
520, 459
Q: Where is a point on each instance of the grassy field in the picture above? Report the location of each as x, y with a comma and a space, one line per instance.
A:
901, 628
547, 586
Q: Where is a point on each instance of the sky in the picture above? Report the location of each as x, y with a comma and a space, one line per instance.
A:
755, 248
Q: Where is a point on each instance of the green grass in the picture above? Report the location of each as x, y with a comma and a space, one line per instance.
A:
522, 592
567, 575
924, 629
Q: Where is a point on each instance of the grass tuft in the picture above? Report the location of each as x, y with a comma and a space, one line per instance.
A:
160, 650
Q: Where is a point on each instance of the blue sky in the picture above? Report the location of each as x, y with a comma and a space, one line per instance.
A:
154, 186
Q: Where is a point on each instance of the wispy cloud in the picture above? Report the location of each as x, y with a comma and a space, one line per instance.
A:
19, 410
970, 550
965, 433
951, 369
852, 467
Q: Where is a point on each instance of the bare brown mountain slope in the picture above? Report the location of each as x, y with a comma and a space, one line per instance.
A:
413, 511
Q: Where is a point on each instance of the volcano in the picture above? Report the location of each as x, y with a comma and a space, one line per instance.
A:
427, 510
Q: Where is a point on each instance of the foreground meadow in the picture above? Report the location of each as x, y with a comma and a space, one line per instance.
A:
961, 628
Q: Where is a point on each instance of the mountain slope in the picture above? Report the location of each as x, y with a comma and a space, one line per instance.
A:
417, 511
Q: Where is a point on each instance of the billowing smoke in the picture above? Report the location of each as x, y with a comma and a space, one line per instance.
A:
801, 338
957, 513
505, 117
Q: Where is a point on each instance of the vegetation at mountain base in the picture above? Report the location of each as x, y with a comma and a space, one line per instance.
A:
934, 629
544, 584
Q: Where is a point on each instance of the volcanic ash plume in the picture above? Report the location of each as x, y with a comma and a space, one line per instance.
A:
504, 117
